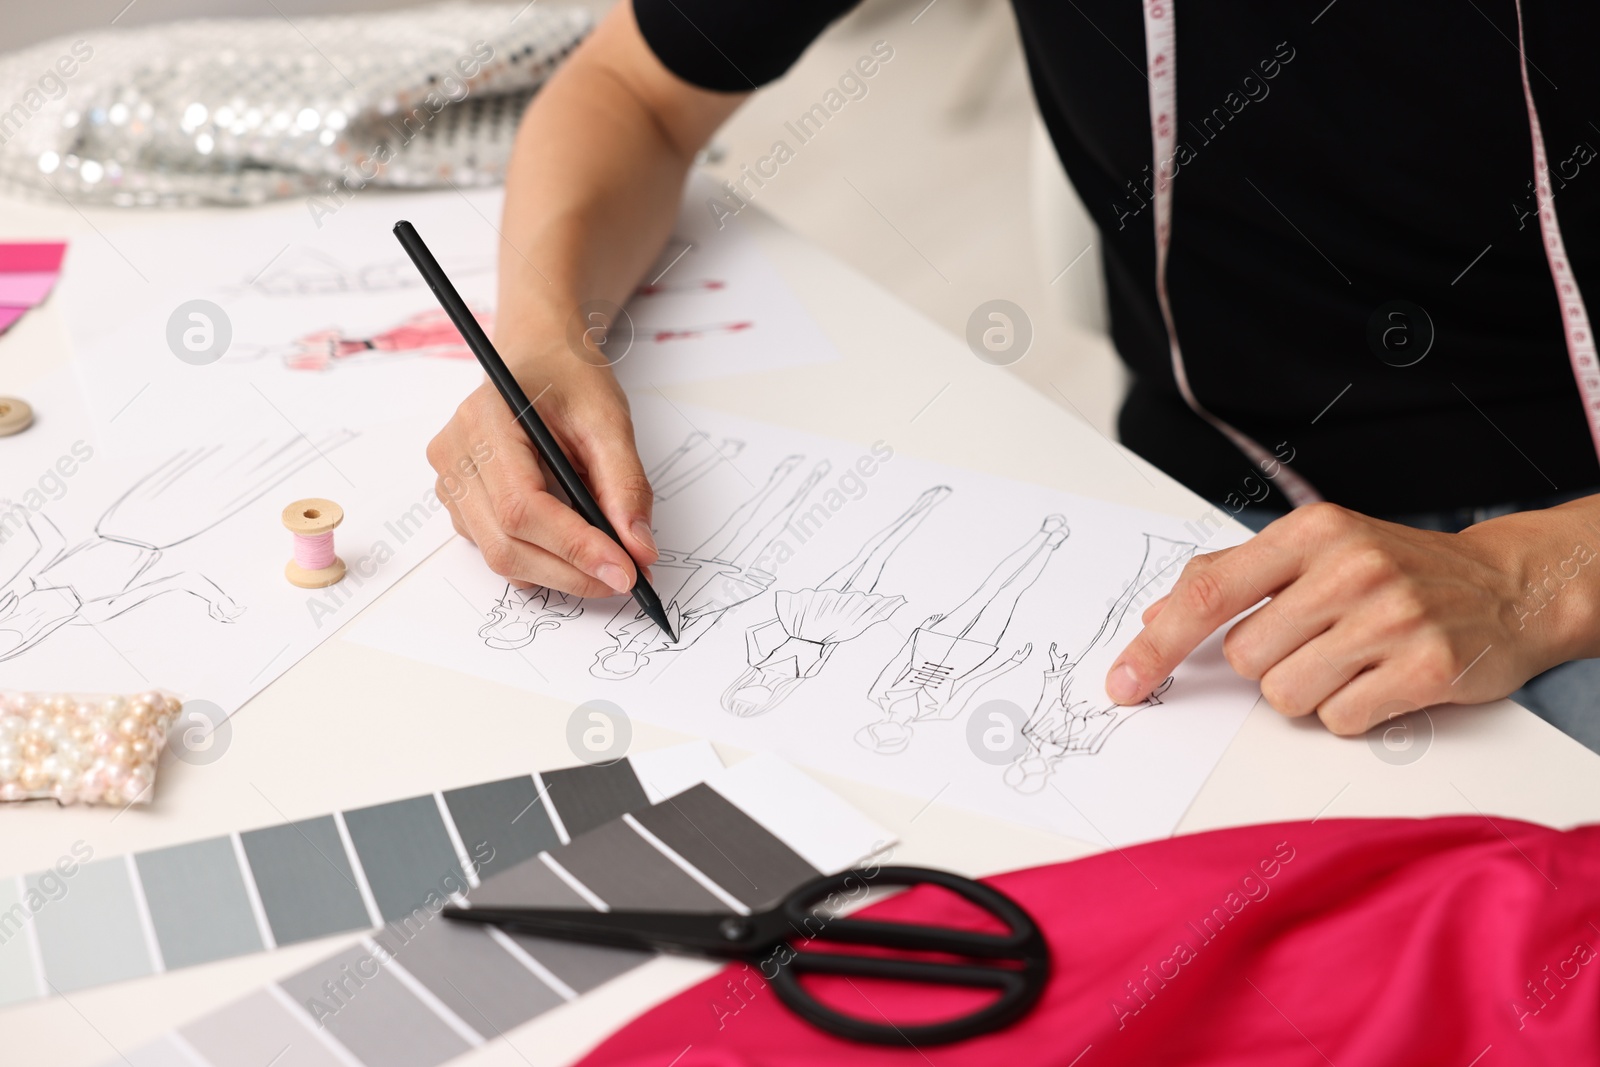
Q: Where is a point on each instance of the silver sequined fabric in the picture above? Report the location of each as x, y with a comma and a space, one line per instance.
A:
238, 111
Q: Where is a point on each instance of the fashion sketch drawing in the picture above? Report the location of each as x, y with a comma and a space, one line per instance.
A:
783, 652
427, 335
700, 586
123, 563
1074, 717
523, 612
950, 657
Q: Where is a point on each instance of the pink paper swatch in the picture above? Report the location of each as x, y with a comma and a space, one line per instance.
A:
16, 258
27, 274
26, 288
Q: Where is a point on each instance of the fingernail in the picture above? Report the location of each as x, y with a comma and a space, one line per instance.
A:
614, 576
1122, 685
641, 532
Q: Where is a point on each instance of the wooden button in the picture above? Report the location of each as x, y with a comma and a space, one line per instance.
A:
15, 415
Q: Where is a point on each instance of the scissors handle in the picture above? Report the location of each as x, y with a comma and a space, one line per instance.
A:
1021, 952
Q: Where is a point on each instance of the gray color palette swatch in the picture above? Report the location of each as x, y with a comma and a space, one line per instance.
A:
622, 869
306, 881
406, 853
372, 1013
696, 822
221, 897
591, 795
426, 990
257, 1030
198, 902
507, 817
92, 932
488, 989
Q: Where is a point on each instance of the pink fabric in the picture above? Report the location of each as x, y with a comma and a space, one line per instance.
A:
8, 316
1454, 941
31, 257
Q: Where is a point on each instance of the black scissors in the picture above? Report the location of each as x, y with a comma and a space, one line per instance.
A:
1016, 963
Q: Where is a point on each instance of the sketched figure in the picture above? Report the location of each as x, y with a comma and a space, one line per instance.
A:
811, 623
948, 658
44, 585
430, 334
690, 462
700, 585
521, 614
1066, 724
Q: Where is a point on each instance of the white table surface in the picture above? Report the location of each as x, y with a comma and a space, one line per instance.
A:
350, 725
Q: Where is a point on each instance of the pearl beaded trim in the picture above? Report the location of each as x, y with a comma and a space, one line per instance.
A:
74, 747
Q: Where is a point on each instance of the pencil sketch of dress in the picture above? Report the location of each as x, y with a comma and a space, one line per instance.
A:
45, 585
811, 623
950, 657
1074, 717
522, 613
699, 586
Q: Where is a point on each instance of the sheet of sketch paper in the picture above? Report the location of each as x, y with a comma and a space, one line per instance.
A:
138, 557
325, 317
918, 626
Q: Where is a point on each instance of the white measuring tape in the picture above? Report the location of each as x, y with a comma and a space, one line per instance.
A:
1160, 39
1574, 316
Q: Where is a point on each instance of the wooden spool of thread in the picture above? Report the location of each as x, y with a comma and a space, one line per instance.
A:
314, 565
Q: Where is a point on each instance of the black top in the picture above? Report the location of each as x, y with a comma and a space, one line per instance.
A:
1339, 157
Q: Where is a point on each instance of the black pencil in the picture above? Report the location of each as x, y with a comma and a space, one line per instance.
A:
543, 440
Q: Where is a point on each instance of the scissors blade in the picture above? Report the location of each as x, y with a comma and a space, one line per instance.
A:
693, 933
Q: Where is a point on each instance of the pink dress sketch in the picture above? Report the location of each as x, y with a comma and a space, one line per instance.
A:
45, 585
811, 623
429, 335
1073, 716
950, 657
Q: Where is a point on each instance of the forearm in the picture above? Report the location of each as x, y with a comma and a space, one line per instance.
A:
1554, 556
593, 185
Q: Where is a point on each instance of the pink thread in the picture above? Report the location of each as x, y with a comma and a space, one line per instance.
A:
315, 552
